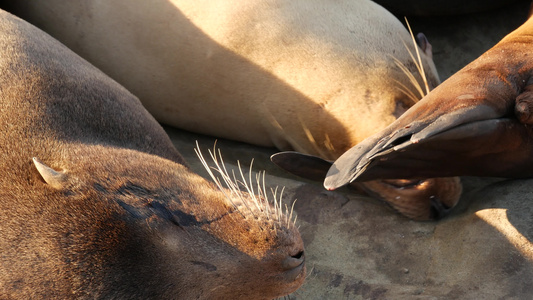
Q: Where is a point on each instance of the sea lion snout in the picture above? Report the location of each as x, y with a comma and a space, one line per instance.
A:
418, 199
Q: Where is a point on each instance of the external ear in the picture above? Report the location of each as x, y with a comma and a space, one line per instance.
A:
52, 177
302, 165
424, 44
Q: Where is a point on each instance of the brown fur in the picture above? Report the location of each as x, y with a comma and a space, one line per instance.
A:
129, 219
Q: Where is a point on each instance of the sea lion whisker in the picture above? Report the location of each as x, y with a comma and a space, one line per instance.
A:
252, 193
248, 188
411, 78
221, 169
259, 197
274, 196
275, 193
292, 210
406, 91
311, 138
328, 144
280, 212
261, 177
208, 169
216, 179
261, 194
232, 185
236, 183
418, 63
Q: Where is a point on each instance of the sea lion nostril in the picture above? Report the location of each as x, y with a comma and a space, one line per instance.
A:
299, 255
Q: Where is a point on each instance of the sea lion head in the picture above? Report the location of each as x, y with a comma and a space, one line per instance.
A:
182, 235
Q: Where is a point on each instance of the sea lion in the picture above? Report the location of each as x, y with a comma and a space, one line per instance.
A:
312, 76
107, 208
475, 123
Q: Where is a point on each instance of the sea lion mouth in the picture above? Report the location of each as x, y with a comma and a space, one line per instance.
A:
294, 266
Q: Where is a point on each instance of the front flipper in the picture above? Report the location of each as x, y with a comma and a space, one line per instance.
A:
420, 199
302, 165
498, 148
352, 164
471, 109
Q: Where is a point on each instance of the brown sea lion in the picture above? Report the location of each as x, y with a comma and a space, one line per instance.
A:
475, 123
312, 76
107, 208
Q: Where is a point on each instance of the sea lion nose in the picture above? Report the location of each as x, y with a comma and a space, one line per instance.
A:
293, 266
294, 261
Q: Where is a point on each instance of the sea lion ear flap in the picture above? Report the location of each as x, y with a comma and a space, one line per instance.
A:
52, 177
302, 165
424, 44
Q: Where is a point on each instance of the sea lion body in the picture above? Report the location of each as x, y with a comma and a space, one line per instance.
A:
312, 76
107, 208
477, 122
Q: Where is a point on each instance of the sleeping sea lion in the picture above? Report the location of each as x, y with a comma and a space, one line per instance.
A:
313, 76
95, 202
478, 122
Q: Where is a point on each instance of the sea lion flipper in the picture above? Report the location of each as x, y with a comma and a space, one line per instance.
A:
481, 98
419, 123
495, 147
302, 165
347, 167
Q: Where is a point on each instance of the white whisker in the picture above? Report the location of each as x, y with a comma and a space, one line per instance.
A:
242, 189
419, 66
